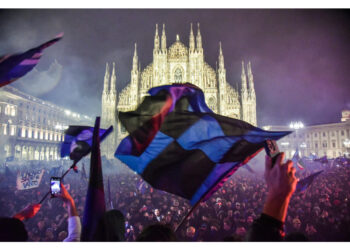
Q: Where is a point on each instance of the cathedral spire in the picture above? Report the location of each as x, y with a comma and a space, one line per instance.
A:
192, 42
243, 78
221, 57
199, 39
163, 39
106, 80
113, 81
250, 77
156, 39
135, 59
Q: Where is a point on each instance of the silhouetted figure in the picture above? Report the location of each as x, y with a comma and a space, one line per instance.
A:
157, 232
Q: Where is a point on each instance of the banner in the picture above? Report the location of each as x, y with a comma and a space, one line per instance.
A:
29, 179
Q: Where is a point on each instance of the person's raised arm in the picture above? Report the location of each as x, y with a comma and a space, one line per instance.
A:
281, 183
74, 225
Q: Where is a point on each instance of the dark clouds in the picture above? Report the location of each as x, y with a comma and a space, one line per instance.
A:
299, 57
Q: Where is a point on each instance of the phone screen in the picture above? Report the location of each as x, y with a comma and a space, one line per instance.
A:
55, 185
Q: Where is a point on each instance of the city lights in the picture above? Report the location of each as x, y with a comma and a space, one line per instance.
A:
296, 125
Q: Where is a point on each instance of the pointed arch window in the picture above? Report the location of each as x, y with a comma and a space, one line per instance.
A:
178, 75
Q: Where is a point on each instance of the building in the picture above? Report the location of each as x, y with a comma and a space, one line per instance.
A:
177, 63
32, 129
332, 140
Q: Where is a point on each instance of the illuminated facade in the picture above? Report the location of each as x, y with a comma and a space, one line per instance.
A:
332, 140
32, 129
177, 64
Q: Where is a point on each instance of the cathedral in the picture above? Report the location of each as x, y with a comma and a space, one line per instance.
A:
176, 64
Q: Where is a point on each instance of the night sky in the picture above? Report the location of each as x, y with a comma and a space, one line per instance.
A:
300, 58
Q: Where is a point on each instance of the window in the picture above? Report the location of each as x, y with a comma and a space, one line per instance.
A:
342, 132
324, 134
315, 134
332, 133
324, 144
333, 144
316, 145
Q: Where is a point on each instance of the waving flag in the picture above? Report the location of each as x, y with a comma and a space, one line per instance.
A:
296, 159
78, 140
306, 182
177, 144
95, 204
15, 66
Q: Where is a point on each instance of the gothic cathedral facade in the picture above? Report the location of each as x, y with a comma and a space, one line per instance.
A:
177, 64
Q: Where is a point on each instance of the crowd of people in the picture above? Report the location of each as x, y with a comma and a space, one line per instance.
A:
321, 213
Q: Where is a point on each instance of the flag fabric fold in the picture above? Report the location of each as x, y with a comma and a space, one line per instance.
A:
95, 204
177, 144
15, 66
306, 182
78, 141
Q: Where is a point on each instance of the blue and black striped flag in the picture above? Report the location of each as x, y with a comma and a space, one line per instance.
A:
78, 140
15, 66
177, 144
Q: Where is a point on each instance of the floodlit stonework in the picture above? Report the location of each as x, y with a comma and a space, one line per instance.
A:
177, 64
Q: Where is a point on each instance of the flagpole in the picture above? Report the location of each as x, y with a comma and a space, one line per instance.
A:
188, 214
75, 162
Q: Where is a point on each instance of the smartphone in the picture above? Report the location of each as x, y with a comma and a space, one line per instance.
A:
272, 150
55, 186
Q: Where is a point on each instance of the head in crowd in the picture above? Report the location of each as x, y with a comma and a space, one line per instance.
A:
157, 232
12, 230
111, 227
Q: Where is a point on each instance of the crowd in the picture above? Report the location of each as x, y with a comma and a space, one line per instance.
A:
321, 213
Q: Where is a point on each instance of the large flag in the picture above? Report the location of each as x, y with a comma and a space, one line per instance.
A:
306, 182
78, 140
15, 66
29, 179
177, 144
296, 159
95, 204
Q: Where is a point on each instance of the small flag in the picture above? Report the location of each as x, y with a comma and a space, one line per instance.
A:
95, 205
178, 145
247, 167
306, 182
296, 159
78, 140
15, 66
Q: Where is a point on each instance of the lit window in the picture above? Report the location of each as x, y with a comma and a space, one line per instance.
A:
13, 130
5, 129
36, 134
23, 132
